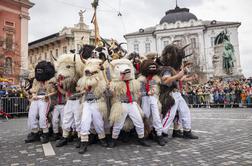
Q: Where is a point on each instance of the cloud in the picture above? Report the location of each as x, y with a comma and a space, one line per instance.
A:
48, 17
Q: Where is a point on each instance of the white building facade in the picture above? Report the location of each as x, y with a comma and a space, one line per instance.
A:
183, 27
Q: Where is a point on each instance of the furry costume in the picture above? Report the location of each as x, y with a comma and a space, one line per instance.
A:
150, 96
69, 70
40, 104
93, 85
125, 90
172, 56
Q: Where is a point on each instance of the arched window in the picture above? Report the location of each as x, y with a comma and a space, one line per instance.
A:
147, 47
8, 65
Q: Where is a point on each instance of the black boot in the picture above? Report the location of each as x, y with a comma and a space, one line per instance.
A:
142, 142
161, 141
153, 135
78, 143
93, 138
112, 143
44, 138
177, 133
124, 136
189, 135
32, 137
55, 136
103, 142
70, 137
165, 137
83, 147
61, 142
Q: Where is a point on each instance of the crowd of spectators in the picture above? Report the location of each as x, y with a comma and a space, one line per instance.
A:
219, 93
11, 91
12, 100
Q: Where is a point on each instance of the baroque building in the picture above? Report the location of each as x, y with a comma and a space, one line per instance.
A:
54, 45
180, 26
14, 17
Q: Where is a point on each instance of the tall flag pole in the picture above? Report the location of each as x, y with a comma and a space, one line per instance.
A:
94, 21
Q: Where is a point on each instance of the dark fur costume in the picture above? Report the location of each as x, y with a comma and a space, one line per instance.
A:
145, 68
44, 71
165, 98
86, 51
171, 56
171, 60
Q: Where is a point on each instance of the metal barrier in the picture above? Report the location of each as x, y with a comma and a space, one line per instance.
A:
13, 106
221, 105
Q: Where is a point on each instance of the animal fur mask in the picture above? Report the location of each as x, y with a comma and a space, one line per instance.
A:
86, 51
122, 70
149, 67
101, 53
69, 69
172, 56
92, 74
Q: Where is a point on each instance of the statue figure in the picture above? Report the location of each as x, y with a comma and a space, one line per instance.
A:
223, 59
228, 56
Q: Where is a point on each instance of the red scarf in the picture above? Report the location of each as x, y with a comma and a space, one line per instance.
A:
147, 85
59, 94
180, 85
128, 91
89, 88
137, 67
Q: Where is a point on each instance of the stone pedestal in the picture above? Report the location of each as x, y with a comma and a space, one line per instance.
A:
219, 71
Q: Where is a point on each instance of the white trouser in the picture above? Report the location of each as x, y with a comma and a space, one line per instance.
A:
150, 109
91, 114
72, 116
37, 116
57, 116
177, 122
132, 110
183, 110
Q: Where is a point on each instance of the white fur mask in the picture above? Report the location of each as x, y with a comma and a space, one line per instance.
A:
122, 70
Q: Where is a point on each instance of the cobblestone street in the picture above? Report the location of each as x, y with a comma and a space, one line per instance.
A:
225, 139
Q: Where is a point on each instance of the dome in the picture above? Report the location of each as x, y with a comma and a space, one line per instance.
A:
177, 14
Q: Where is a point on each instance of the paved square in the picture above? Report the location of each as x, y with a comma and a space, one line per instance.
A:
225, 139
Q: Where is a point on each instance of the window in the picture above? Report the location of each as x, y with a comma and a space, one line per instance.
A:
57, 53
9, 24
178, 25
212, 41
64, 50
179, 43
9, 41
8, 65
45, 56
136, 48
30, 59
166, 43
193, 43
147, 47
51, 55
39, 58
